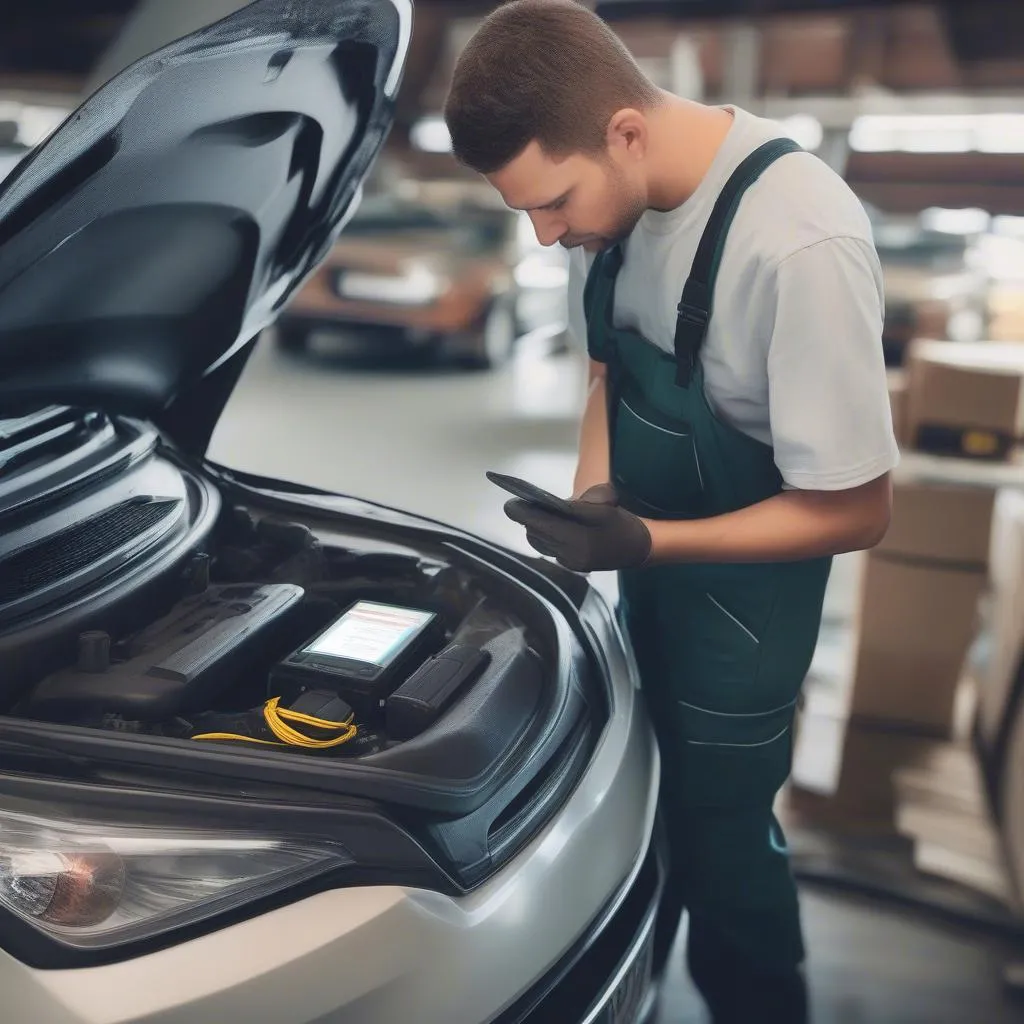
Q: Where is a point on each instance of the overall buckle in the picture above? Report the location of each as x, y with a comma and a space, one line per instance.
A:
692, 318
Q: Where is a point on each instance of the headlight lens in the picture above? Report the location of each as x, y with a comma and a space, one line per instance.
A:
417, 285
92, 886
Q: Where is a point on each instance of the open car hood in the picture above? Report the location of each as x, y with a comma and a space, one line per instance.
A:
145, 245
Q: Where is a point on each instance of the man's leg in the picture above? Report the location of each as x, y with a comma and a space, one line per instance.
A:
745, 946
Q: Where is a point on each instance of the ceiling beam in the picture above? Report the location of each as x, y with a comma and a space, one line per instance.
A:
842, 111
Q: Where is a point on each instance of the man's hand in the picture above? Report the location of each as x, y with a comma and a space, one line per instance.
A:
606, 536
600, 494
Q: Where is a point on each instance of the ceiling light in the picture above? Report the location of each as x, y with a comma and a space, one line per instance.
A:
804, 130
955, 222
934, 133
430, 135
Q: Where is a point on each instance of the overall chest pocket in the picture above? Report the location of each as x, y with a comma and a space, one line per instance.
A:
655, 461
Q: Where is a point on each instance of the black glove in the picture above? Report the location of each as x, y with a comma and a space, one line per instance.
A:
600, 494
605, 537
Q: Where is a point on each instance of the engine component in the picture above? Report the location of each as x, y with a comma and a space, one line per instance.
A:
178, 663
422, 698
94, 651
275, 549
197, 573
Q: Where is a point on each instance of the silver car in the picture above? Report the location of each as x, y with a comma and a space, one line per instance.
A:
223, 794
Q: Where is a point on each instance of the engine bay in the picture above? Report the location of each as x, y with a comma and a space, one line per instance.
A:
174, 631
225, 652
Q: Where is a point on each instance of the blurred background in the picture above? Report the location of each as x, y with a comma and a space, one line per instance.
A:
431, 346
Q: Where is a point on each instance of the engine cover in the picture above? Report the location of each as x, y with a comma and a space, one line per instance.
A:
179, 663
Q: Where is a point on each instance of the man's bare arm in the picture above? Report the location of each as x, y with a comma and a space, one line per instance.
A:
789, 526
592, 466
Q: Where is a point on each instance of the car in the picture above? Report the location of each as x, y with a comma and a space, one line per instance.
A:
932, 290
271, 753
410, 273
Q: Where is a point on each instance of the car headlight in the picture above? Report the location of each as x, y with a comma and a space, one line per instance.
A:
417, 285
92, 886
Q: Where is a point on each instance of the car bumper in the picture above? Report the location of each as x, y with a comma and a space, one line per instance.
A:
368, 335
388, 954
606, 978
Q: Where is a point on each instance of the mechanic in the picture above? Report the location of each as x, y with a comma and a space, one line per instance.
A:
724, 456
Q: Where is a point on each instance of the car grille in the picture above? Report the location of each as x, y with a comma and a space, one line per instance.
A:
70, 551
605, 978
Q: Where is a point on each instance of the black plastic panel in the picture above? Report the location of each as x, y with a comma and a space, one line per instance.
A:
50, 457
72, 544
126, 525
78, 546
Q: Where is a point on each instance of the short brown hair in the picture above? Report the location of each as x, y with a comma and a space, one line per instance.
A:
548, 70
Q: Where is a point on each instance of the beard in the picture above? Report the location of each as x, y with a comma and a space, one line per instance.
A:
629, 207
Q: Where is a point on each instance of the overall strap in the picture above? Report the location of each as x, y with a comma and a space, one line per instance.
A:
598, 296
694, 310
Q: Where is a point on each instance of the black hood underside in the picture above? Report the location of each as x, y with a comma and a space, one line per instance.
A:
169, 219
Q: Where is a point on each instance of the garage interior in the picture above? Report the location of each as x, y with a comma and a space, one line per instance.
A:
905, 810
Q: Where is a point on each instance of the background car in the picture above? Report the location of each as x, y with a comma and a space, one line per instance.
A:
933, 288
178, 840
431, 268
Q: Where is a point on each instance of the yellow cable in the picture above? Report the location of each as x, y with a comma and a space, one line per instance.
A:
277, 721
236, 736
274, 718
298, 716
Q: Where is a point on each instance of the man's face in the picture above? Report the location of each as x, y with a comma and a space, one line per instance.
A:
578, 200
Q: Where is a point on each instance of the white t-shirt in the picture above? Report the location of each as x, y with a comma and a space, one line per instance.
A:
793, 354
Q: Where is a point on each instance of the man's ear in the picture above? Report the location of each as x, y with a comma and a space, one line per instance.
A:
628, 133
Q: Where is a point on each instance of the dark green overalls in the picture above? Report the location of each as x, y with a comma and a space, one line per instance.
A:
723, 649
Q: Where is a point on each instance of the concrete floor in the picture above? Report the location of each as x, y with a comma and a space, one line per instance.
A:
421, 439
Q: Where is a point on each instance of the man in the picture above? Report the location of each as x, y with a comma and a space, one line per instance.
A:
736, 436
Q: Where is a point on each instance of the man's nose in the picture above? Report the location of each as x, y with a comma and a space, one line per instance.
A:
548, 229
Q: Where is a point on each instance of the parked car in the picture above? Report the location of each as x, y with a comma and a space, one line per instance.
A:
932, 288
214, 805
421, 269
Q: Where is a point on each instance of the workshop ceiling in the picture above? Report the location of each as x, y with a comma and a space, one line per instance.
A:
829, 60
807, 45
976, 29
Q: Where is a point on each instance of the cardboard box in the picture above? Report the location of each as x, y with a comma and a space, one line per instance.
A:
1001, 638
898, 403
944, 808
965, 398
940, 522
843, 772
985, 874
919, 604
949, 779
916, 625
970, 835
1006, 312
